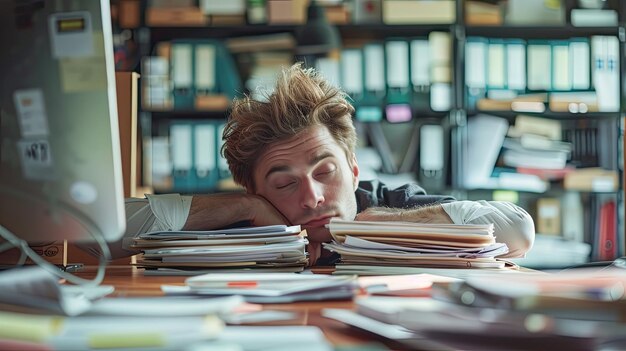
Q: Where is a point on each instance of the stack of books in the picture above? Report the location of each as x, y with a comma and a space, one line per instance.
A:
277, 248
398, 247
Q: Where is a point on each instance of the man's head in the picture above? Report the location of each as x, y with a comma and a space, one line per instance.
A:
296, 149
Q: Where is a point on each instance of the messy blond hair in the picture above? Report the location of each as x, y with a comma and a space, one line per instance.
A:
302, 99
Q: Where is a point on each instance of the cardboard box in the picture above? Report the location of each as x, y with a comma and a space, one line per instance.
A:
53, 252
170, 17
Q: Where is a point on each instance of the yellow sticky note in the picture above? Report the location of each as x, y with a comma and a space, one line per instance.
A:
85, 73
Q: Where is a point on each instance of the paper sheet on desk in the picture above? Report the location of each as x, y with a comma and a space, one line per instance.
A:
247, 232
167, 306
492, 250
34, 287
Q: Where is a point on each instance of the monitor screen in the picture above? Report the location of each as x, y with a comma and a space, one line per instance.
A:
60, 168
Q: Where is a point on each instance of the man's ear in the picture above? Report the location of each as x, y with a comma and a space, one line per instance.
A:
355, 171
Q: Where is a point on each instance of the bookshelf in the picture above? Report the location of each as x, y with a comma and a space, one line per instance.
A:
605, 126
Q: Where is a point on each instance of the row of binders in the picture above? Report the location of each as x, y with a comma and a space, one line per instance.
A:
395, 77
189, 160
371, 248
575, 65
278, 248
190, 75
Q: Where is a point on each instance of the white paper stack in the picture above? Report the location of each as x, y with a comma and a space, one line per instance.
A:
269, 287
368, 247
277, 248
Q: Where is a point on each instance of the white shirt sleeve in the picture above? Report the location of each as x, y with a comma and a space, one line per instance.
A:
512, 224
154, 213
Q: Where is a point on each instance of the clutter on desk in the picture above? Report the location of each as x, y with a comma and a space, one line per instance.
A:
578, 309
269, 287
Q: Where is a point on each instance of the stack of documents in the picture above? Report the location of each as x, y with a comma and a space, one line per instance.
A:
269, 287
366, 247
532, 311
276, 248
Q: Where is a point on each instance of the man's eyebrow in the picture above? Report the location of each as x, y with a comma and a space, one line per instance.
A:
314, 160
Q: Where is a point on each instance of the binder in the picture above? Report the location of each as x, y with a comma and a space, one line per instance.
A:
476, 64
182, 75
329, 69
205, 156
398, 107
561, 70
432, 156
496, 74
605, 55
420, 73
205, 67
539, 56
374, 77
181, 135
222, 164
580, 66
606, 241
516, 64
351, 74
440, 97
440, 47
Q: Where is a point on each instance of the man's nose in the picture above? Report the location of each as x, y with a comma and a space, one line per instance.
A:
312, 193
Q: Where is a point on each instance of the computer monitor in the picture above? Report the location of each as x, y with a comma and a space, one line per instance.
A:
60, 168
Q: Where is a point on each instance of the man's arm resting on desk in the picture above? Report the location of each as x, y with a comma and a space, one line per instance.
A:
512, 224
199, 212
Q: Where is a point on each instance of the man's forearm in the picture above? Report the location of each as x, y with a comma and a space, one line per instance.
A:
218, 210
426, 214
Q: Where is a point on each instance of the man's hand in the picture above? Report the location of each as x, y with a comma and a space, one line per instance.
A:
219, 210
264, 213
429, 214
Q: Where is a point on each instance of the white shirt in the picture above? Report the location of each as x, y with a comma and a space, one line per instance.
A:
512, 224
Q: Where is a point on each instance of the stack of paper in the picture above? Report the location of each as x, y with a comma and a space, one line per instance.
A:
277, 248
365, 246
572, 310
269, 287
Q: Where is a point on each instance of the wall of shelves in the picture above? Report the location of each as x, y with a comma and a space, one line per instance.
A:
406, 136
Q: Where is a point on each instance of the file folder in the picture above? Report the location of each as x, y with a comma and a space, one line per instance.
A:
432, 156
539, 55
205, 67
516, 64
329, 69
579, 53
496, 76
181, 138
182, 75
371, 107
205, 156
605, 54
420, 73
476, 63
351, 73
561, 70
398, 107
222, 164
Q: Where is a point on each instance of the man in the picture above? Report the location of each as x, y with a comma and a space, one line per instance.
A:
294, 155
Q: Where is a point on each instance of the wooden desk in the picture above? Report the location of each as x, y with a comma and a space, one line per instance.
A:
130, 281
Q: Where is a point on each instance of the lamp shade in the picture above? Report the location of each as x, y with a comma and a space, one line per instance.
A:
317, 36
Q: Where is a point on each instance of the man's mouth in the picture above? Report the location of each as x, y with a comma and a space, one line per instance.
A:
317, 222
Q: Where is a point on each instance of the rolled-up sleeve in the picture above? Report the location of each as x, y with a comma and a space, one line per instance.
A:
154, 213
512, 224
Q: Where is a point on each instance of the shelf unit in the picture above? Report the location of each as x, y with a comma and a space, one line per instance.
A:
455, 120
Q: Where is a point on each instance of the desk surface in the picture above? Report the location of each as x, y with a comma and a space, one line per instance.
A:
130, 281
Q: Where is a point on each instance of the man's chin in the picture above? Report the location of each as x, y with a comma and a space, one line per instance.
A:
318, 234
